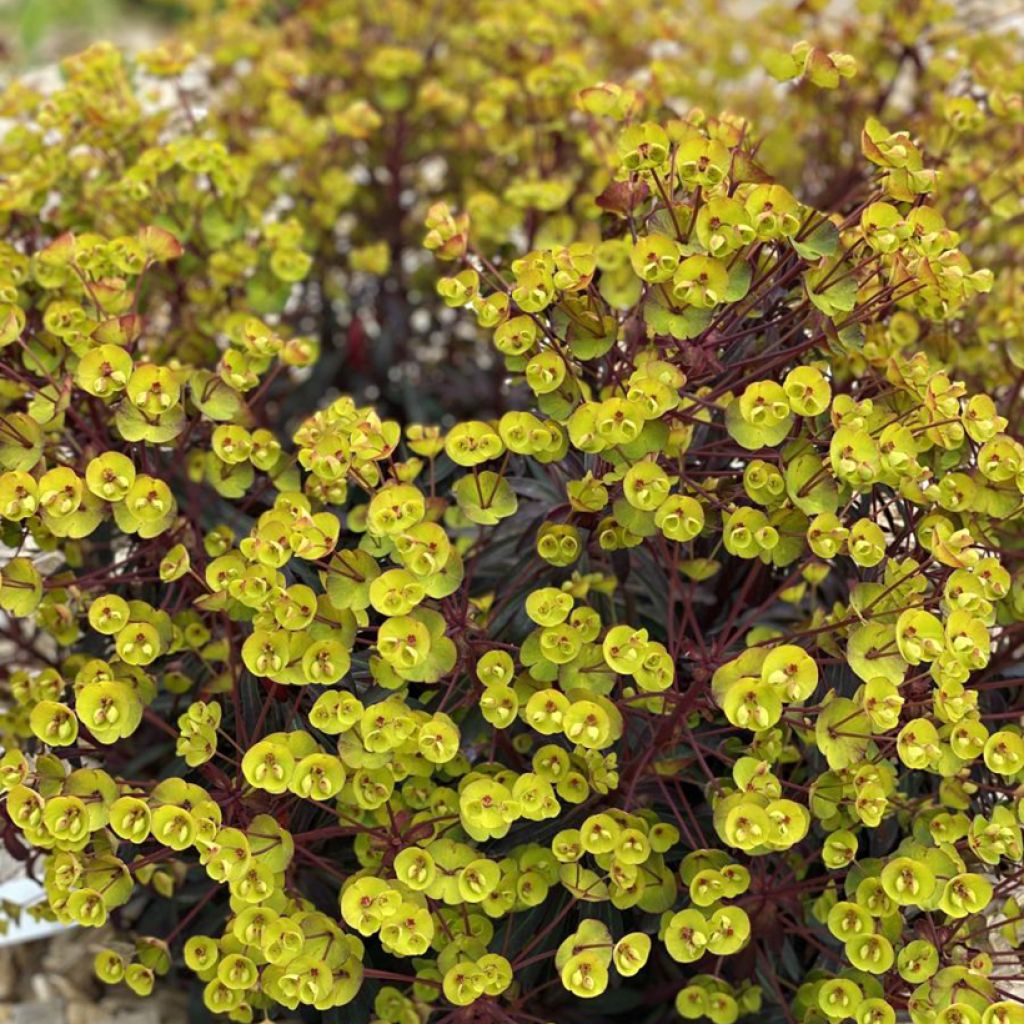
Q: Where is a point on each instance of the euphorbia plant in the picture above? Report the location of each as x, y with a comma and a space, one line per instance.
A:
684, 686
305, 142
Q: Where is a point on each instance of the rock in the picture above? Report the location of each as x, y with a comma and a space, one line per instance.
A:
33, 1013
8, 976
81, 1013
51, 982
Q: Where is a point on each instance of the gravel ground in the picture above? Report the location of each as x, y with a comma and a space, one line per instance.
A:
50, 981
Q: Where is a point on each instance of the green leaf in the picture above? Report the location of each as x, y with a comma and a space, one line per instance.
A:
832, 289
739, 282
822, 241
780, 65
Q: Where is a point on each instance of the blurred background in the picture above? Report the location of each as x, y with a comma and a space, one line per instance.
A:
38, 32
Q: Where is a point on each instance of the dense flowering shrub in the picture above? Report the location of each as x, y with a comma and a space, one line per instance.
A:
677, 678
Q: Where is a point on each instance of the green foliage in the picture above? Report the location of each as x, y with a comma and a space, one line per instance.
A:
34, 29
676, 643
